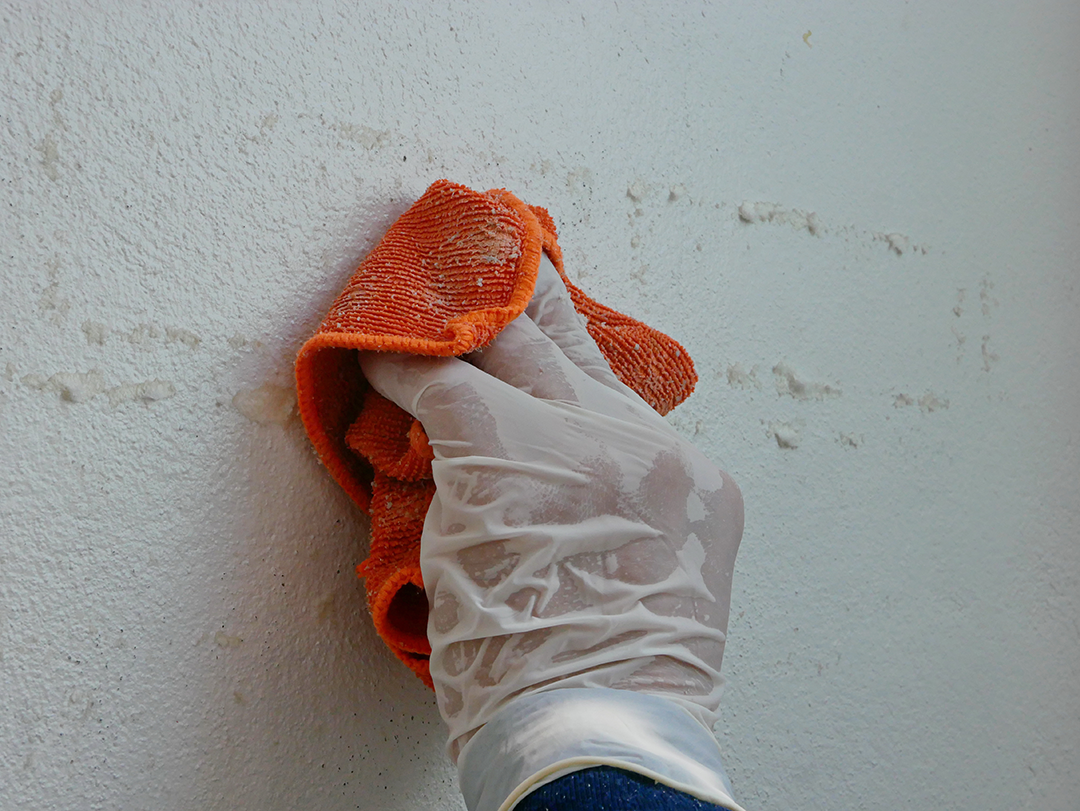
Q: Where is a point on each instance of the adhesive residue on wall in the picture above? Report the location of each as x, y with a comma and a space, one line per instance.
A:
762, 212
266, 405
787, 434
788, 383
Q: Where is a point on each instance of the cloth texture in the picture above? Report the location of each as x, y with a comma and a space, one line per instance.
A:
447, 277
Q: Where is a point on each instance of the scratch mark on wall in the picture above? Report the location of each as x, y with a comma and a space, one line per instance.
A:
267, 405
774, 213
787, 382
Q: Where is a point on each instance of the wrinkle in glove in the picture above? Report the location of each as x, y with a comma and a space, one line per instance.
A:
448, 276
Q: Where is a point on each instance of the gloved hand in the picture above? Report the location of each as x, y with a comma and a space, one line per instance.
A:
575, 539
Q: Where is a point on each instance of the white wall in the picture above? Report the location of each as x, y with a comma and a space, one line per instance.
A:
184, 191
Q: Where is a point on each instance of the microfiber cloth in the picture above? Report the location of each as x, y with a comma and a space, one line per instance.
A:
454, 269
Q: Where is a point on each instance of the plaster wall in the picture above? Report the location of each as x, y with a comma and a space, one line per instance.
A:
862, 219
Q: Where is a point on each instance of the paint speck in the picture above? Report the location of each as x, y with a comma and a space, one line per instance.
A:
95, 332
787, 434
738, 377
774, 213
788, 383
806, 38
267, 405
850, 441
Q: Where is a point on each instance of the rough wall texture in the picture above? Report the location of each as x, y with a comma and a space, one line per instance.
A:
862, 219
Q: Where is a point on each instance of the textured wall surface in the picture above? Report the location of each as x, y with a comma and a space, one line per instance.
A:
862, 219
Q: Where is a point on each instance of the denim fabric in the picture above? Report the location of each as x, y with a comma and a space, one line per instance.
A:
605, 788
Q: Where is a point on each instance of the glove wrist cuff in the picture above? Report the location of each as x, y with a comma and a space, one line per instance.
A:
541, 737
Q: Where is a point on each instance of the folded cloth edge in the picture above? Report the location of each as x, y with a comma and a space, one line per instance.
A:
327, 355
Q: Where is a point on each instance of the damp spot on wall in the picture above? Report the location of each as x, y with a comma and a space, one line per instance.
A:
267, 405
775, 214
788, 383
787, 434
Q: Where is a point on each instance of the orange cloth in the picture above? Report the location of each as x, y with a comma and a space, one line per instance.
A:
455, 269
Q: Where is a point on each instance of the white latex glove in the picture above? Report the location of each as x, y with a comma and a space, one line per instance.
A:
575, 540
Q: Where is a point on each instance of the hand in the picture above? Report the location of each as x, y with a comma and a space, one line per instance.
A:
575, 539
